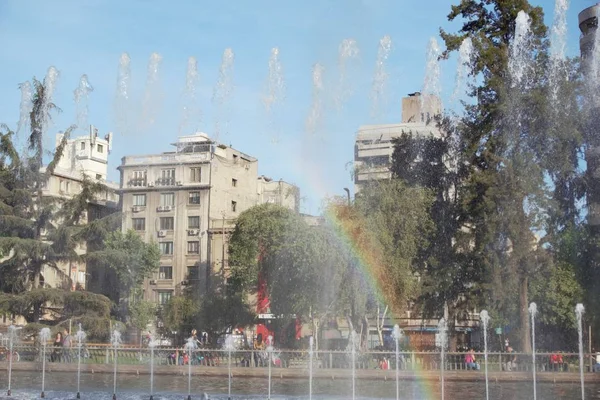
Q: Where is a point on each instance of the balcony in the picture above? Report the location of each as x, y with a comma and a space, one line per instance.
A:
165, 182
137, 183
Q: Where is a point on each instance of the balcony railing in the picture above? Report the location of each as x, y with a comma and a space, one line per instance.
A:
165, 182
137, 183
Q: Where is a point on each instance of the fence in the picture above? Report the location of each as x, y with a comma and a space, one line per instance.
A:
408, 361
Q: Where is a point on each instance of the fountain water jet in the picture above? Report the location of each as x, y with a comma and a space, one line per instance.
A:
223, 91
579, 310
558, 45
533, 313
380, 77
432, 88
44, 337
485, 319
275, 90
354, 344
316, 109
81, 95
443, 339
311, 346
519, 62
151, 103
190, 346
397, 335
466, 53
25, 106
189, 96
151, 344
11, 341
347, 52
270, 360
80, 338
275, 82
115, 340
50, 86
122, 106
230, 347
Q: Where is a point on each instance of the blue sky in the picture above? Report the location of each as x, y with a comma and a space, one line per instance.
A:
88, 37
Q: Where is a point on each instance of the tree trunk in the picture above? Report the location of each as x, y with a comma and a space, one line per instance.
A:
380, 323
524, 333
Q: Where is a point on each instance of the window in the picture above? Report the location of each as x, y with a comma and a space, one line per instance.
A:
165, 273
235, 158
82, 146
193, 222
68, 186
166, 248
61, 186
195, 174
233, 206
138, 178
194, 198
234, 182
167, 223
193, 247
139, 200
167, 177
192, 273
167, 199
164, 297
138, 224
100, 148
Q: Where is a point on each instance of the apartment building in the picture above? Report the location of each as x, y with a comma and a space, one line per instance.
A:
374, 146
187, 200
83, 156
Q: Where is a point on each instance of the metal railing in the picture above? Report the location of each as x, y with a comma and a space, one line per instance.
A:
408, 361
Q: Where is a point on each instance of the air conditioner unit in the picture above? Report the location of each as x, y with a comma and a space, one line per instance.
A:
192, 232
150, 184
162, 233
167, 208
136, 208
153, 282
179, 183
160, 208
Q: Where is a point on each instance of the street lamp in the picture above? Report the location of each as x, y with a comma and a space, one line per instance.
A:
348, 193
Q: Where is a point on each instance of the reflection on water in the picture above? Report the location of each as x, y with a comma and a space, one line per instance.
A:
60, 385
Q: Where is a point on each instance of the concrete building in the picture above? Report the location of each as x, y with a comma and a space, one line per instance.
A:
83, 156
187, 200
588, 24
374, 143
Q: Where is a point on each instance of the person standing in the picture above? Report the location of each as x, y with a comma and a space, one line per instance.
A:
67, 344
56, 348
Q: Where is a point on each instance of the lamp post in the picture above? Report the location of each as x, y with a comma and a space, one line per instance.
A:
347, 193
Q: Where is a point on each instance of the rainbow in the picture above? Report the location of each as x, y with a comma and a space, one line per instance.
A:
349, 228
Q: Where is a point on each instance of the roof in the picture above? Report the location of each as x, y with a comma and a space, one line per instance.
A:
387, 132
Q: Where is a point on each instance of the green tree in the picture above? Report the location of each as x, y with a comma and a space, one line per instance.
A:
131, 260
304, 267
141, 314
508, 150
36, 233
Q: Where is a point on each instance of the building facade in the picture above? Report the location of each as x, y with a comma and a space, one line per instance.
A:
374, 145
187, 201
83, 156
